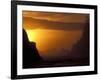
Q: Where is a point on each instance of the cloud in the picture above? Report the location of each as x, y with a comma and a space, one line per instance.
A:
31, 23
57, 17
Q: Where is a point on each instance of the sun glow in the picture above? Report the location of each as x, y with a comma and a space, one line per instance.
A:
47, 39
31, 35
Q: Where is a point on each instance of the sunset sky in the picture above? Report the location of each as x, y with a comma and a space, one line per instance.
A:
54, 33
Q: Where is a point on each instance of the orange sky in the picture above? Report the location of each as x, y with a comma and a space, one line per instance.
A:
56, 17
53, 32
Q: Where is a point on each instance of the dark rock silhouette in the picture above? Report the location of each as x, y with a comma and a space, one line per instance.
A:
31, 56
81, 48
